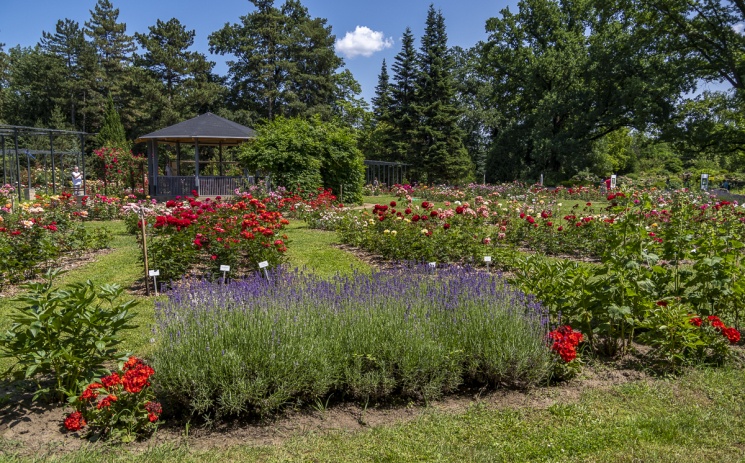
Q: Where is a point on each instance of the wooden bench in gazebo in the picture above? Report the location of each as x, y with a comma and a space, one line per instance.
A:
204, 130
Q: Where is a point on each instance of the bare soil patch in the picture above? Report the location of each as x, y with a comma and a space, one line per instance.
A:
28, 429
69, 261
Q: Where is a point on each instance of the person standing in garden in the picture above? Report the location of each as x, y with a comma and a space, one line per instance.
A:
77, 181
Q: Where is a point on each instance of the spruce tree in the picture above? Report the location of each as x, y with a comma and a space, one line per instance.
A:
438, 139
382, 100
113, 75
403, 116
381, 132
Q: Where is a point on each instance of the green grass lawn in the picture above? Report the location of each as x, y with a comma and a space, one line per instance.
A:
313, 250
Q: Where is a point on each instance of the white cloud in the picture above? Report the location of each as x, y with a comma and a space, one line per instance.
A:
739, 28
362, 42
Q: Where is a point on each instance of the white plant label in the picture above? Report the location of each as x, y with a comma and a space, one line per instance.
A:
225, 268
487, 258
154, 273
263, 264
433, 264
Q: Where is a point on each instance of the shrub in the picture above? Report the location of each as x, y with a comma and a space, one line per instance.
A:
66, 333
255, 345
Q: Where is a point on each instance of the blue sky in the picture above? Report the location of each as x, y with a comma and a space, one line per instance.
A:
375, 26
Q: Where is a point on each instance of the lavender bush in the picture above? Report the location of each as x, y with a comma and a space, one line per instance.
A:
254, 345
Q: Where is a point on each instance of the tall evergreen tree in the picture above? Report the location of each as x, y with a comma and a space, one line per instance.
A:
114, 74
69, 44
180, 82
380, 132
4, 81
439, 153
112, 131
382, 100
33, 84
285, 61
403, 115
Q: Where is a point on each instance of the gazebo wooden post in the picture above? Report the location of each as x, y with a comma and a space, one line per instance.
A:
178, 158
155, 166
5, 166
196, 164
54, 174
222, 171
150, 169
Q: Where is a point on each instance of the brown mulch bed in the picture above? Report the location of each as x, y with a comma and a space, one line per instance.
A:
65, 262
28, 429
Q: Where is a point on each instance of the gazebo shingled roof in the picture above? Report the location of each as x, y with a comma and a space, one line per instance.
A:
208, 129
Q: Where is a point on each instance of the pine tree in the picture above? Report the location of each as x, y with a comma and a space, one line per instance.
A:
68, 43
438, 140
113, 76
179, 82
403, 116
285, 61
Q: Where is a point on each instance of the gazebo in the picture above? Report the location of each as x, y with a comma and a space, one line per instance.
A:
204, 130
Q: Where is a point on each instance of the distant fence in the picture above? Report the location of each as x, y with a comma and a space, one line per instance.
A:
207, 186
385, 173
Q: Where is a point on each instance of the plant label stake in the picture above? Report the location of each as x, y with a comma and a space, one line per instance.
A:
224, 269
487, 259
144, 248
154, 274
264, 265
433, 266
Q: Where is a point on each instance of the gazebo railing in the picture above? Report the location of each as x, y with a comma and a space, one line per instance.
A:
208, 186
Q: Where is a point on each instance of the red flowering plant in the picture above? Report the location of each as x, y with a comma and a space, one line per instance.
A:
118, 167
239, 233
564, 342
120, 405
678, 338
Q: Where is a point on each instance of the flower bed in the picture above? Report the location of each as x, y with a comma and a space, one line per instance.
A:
256, 345
184, 233
648, 246
33, 235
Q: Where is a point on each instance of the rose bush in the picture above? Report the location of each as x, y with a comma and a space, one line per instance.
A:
240, 233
